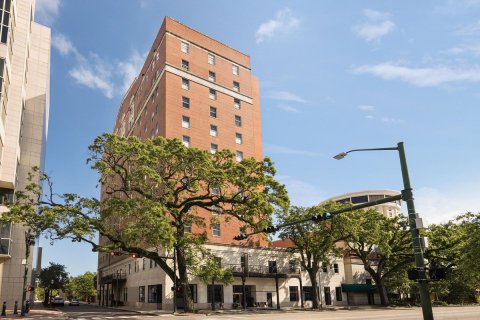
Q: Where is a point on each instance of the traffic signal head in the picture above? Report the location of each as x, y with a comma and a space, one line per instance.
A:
270, 229
322, 217
437, 274
241, 236
30, 288
136, 255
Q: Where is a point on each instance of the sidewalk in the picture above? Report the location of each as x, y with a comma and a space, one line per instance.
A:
37, 312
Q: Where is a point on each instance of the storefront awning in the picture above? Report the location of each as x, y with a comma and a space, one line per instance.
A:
358, 287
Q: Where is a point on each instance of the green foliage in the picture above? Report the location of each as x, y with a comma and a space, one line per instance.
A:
83, 286
151, 191
454, 245
53, 277
315, 242
382, 244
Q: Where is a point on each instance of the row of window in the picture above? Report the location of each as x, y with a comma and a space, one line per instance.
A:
212, 93
211, 75
308, 294
213, 128
214, 147
211, 58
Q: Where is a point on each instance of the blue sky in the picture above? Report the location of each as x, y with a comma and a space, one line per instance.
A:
334, 76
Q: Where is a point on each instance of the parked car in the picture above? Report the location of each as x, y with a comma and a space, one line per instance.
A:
58, 301
74, 302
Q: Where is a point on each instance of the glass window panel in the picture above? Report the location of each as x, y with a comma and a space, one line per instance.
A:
360, 199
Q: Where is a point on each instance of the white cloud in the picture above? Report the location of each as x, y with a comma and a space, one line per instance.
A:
130, 68
420, 77
270, 148
46, 11
284, 95
470, 30
90, 78
369, 117
63, 44
283, 22
438, 206
391, 120
110, 78
378, 24
288, 108
366, 108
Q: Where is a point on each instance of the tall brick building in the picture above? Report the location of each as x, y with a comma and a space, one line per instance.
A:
198, 90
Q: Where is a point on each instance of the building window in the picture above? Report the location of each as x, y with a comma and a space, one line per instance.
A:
338, 293
335, 267
324, 269
216, 229
238, 121
5, 236
186, 102
185, 122
144, 262
155, 293
215, 190
238, 138
236, 103
272, 266
3, 88
239, 156
213, 112
125, 294
308, 293
212, 94
236, 86
212, 76
184, 46
213, 148
293, 293
141, 294
129, 268
193, 292
186, 141
185, 84
235, 69
211, 59
217, 210
5, 17
213, 130
187, 227
217, 293
185, 65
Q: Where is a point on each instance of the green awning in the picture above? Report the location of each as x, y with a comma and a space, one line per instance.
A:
358, 287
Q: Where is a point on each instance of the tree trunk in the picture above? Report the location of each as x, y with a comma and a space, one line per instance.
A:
382, 291
312, 273
183, 276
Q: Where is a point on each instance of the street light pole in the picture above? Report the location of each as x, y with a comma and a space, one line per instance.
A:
407, 196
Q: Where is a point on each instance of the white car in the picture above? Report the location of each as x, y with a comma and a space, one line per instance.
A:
74, 302
58, 301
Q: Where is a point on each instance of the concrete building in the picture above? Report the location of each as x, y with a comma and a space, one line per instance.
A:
24, 104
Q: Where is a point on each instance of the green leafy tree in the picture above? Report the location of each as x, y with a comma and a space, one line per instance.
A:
382, 244
454, 247
153, 191
83, 286
314, 242
53, 277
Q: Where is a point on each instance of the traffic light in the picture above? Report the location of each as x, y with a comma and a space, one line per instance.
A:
115, 253
136, 255
270, 229
322, 217
241, 236
437, 274
413, 274
30, 288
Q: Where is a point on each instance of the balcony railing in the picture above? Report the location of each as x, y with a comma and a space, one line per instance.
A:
263, 270
116, 276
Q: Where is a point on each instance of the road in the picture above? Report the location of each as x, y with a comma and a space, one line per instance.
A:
440, 313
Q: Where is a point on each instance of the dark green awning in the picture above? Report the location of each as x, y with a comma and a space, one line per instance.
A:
358, 287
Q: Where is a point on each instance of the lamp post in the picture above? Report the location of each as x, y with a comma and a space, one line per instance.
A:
29, 241
413, 217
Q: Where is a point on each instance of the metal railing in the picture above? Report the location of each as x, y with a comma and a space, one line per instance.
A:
264, 270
